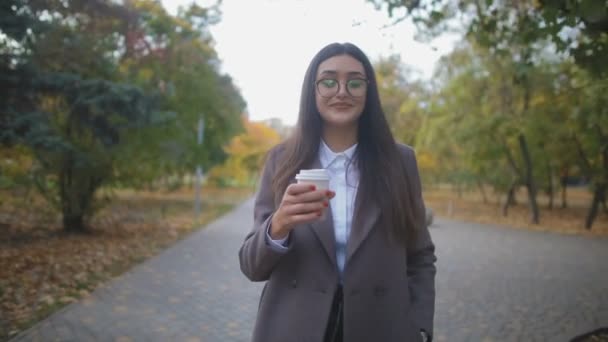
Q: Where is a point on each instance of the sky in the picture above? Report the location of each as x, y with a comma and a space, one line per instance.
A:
266, 45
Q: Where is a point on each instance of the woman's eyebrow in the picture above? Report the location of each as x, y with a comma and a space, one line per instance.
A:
330, 72
350, 73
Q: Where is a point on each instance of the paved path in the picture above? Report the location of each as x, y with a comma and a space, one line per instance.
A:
493, 284
501, 284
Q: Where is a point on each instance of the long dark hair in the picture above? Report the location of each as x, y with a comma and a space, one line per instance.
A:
383, 176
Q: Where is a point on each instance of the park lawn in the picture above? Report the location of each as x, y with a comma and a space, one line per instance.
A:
470, 207
42, 268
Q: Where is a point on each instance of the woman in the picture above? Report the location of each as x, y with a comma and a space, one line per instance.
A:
364, 272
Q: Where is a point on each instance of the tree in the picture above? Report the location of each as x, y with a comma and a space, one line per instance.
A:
176, 57
473, 128
575, 28
69, 119
90, 96
246, 153
403, 98
588, 132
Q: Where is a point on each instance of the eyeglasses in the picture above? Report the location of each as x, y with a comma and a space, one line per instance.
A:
329, 87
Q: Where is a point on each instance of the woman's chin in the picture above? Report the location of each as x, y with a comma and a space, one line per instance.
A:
341, 119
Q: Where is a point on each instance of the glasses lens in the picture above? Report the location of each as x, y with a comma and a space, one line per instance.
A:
356, 87
327, 87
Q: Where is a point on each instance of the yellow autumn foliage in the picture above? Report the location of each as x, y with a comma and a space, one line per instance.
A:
15, 162
246, 154
426, 161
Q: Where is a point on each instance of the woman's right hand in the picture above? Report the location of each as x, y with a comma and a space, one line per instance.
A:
301, 203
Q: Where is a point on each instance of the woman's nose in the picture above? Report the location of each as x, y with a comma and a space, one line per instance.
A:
342, 91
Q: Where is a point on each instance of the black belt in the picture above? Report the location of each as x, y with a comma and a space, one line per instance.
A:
335, 325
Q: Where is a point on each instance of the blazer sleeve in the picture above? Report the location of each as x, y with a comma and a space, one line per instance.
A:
257, 256
421, 257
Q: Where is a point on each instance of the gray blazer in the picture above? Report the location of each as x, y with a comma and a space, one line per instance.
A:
389, 292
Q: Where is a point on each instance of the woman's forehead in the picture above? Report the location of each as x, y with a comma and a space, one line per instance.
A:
342, 64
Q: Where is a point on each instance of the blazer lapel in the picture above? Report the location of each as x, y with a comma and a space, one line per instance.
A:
324, 228
364, 219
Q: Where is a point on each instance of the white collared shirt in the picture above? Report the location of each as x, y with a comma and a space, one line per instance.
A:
344, 181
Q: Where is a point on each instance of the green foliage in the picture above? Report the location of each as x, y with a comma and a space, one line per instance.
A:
528, 73
576, 28
103, 93
186, 73
403, 99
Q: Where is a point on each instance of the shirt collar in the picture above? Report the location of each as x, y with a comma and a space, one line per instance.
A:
327, 156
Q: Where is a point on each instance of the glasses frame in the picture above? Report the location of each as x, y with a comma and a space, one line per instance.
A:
339, 85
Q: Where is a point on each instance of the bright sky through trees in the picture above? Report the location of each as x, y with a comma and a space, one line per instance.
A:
266, 45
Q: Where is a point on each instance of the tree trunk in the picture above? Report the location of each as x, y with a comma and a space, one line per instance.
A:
550, 191
529, 180
74, 223
511, 194
604, 140
77, 190
510, 199
483, 191
71, 209
458, 189
564, 184
598, 196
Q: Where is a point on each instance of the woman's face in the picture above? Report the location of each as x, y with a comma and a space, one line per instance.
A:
341, 89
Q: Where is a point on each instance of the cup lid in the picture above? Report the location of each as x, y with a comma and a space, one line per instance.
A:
317, 174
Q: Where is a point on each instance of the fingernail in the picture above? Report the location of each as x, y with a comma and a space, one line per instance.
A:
313, 188
325, 204
328, 193
319, 214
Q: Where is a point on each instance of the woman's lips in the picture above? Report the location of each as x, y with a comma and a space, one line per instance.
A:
341, 105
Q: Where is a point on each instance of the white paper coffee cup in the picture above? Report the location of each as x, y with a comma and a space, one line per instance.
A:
317, 177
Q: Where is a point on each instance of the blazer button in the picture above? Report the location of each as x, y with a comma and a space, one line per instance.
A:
294, 283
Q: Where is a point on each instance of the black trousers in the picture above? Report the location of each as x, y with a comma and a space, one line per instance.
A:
335, 325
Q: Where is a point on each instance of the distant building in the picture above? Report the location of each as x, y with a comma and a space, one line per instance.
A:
276, 124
